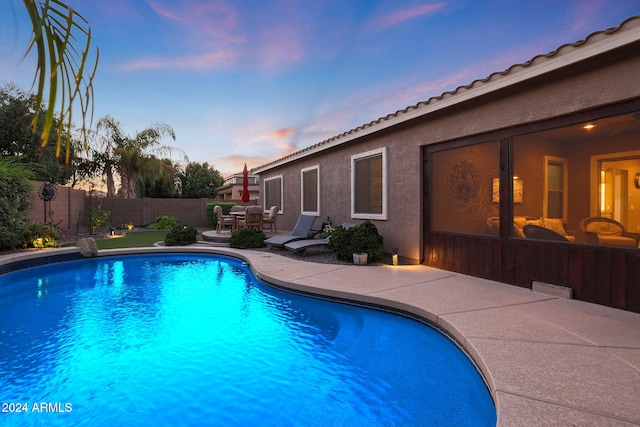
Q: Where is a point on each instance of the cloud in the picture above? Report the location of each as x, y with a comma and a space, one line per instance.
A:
402, 15
219, 59
211, 30
228, 165
215, 19
280, 46
589, 12
280, 139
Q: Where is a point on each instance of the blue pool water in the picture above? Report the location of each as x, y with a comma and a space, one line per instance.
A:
197, 340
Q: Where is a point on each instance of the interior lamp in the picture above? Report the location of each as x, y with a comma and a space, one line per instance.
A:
394, 256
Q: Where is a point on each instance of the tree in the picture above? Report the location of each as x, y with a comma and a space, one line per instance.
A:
200, 180
18, 139
158, 181
131, 157
62, 41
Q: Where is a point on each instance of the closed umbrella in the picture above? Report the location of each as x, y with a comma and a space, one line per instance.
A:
245, 185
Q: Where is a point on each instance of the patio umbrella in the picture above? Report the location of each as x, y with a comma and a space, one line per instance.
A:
245, 185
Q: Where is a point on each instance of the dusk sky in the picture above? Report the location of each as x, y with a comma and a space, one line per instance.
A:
252, 81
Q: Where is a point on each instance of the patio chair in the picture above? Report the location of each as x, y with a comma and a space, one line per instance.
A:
299, 232
303, 245
252, 218
270, 219
538, 232
609, 232
222, 221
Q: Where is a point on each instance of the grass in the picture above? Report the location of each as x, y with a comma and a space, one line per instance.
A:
135, 239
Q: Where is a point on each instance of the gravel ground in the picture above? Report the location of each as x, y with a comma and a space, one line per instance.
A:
322, 256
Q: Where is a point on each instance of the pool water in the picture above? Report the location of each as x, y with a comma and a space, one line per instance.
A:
196, 340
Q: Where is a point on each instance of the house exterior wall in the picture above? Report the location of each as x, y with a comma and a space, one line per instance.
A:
599, 81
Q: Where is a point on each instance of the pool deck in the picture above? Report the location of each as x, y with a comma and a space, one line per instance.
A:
549, 361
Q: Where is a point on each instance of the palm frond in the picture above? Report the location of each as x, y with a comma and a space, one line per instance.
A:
62, 41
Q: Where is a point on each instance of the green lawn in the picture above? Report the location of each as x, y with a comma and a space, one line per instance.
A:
133, 239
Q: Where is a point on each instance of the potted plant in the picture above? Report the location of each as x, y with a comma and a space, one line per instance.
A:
361, 244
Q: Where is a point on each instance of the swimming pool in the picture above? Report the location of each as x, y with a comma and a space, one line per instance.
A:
194, 339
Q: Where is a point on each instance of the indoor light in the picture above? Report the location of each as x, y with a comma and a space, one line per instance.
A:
394, 256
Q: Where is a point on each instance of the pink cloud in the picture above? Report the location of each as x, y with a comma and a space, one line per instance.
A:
213, 20
223, 58
280, 45
229, 165
403, 15
281, 133
589, 11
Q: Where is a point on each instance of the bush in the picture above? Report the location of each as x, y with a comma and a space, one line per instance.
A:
362, 238
15, 199
164, 222
181, 235
97, 217
40, 235
211, 216
247, 238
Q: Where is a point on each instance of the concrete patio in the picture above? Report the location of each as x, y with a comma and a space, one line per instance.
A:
549, 361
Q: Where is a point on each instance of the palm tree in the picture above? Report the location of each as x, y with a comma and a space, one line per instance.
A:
131, 157
62, 41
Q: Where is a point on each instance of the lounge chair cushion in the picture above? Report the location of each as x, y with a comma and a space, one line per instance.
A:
299, 245
556, 225
300, 231
616, 240
604, 228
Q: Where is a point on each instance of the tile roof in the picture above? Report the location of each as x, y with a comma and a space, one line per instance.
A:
595, 43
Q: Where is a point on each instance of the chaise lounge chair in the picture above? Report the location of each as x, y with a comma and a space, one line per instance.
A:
303, 245
300, 231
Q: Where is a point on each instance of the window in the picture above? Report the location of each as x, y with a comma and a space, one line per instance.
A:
369, 185
273, 192
310, 190
572, 201
555, 188
464, 189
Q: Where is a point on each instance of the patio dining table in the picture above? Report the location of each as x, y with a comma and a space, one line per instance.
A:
237, 217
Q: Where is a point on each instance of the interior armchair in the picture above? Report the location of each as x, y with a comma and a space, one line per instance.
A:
519, 222
605, 231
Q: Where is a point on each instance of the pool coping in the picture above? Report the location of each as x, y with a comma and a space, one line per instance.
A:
547, 360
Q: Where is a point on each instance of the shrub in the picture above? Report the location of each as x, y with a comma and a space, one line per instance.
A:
181, 235
41, 235
211, 216
362, 238
97, 217
164, 222
15, 199
247, 238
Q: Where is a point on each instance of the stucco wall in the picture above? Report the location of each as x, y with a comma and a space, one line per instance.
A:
598, 82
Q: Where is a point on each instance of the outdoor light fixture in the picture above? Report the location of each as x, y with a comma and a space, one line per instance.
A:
394, 257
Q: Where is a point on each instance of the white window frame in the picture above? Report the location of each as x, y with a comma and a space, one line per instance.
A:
565, 185
354, 158
302, 171
264, 191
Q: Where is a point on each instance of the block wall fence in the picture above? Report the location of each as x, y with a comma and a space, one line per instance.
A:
71, 209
